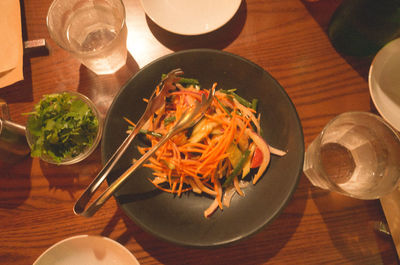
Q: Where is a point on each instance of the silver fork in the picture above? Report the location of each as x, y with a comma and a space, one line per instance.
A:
187, 120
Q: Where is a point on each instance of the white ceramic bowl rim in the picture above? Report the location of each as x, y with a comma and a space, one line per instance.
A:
190, 17
386, 101
127, 254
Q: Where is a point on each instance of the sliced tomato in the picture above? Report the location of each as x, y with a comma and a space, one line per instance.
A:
257, 158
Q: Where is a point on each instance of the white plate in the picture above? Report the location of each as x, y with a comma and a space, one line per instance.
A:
190, 17
384, 82
87, 250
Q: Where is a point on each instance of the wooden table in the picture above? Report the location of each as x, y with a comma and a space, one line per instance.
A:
285, 37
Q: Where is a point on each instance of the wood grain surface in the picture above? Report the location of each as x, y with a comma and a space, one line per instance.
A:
288, 39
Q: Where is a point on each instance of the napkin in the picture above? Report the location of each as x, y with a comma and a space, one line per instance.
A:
11, 46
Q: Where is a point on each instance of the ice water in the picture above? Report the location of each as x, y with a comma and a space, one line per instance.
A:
353, 159
97, 39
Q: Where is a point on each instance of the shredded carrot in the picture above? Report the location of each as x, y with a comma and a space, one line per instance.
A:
246, 125
218, 118
200, 165
180, 186
129, 121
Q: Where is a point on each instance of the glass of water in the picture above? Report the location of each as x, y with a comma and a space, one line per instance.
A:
94, 31
357, 154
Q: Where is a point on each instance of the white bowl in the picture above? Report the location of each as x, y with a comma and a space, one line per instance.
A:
87, 250
190, 17
384, 82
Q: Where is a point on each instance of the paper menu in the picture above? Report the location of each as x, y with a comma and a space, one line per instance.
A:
11, 44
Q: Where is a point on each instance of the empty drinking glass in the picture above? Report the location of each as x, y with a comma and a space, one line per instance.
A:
357, 154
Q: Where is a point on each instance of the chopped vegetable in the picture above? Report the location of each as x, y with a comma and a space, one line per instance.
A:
234, 154
247, 165
262, 145
237, 169
254, 104
257, 158
186, 81
202, 129
63, 126
224, 107
169, 120
158, 135
241, 100
210, 157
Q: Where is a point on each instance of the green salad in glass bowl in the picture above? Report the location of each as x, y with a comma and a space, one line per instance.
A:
63, 128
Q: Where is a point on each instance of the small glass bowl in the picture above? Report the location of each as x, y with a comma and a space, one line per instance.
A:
89, 150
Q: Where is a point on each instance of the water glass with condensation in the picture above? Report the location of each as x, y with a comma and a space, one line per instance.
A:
94, 31
357, 154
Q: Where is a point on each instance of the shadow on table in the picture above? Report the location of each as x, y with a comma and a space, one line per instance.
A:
217, 39
373, 108
254, 250
15, 183
322, 11
72, 178
348, 233
102, 89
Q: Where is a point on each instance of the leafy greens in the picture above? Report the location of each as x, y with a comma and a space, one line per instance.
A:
63, 126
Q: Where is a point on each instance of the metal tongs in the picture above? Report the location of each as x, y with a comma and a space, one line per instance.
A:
188, 119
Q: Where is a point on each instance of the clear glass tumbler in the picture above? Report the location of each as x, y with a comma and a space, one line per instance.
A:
357, 154
94, 31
